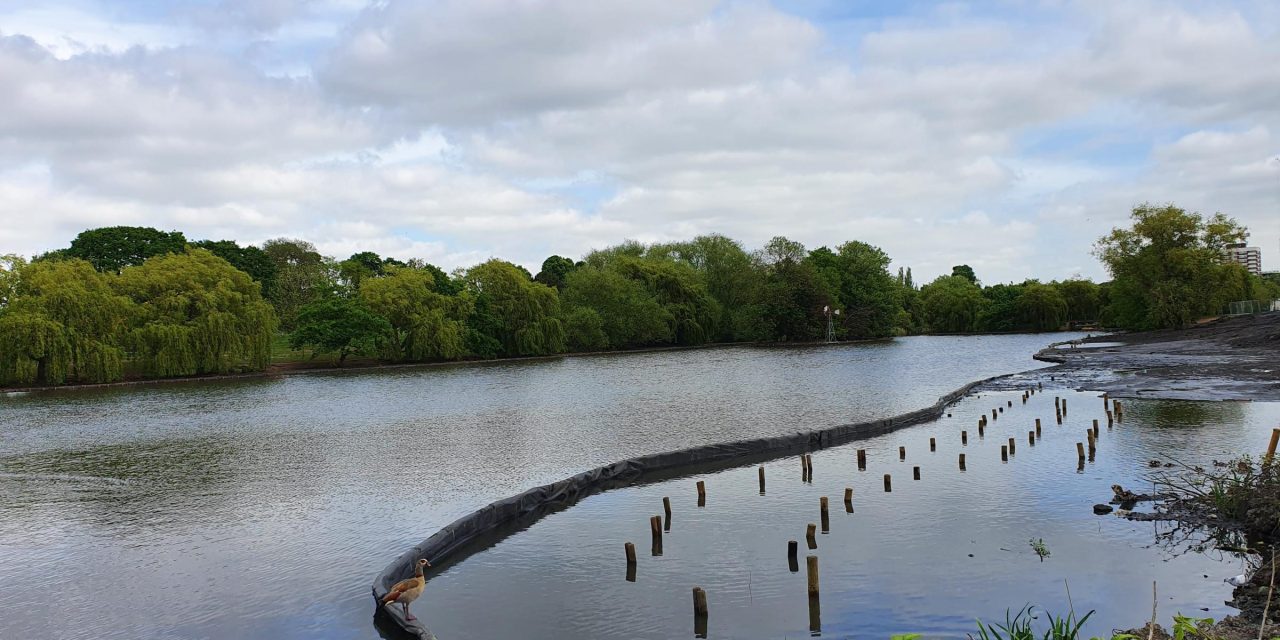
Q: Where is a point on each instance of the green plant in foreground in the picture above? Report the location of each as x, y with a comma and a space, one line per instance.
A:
1188, 627
1041, 549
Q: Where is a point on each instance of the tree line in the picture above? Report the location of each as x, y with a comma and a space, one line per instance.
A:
140, 302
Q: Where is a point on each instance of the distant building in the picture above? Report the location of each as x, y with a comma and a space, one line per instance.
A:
1250, 257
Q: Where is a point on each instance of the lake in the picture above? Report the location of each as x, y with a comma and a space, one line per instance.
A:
263, 508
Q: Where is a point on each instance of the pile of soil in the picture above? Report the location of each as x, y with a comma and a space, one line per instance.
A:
1230, 358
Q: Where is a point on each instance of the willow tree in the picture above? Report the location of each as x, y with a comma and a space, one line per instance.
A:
521, 315
197, 314
426, 325
951, 304
61, 322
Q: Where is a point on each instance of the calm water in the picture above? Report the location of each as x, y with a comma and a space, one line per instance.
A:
263, 508
926, 558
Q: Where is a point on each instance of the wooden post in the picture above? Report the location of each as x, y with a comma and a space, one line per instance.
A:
702, 494
666, 506
902, 453
933, 444
811, 566
981, 429
1037, 427
1271, 448
761, 478
862, 459
630, 550
1080, 451
826, 519
962, 462
848, 499
1010, 404
655, 527
1092, 445
699, 602
792, 550
1001, 409
1110, 419
915, 472
888, 484
811, 535
964, 437
1031, 438
1059, 418
1095, 428
1012, 446
994, 415
1004, 453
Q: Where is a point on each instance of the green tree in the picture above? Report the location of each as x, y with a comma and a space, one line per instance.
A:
1167, 266
1041, 307
302, 275
521, 315
868, 297
62, 323
794, 292
584, 330
1083, 298
10, 266
951, 304
1001, 311
426, 325
965, 271
111, 249
629, 314
554, 270
733, 278
250, 259
197, 314
342, 326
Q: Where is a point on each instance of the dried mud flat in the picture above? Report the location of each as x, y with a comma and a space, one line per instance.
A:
1231, 358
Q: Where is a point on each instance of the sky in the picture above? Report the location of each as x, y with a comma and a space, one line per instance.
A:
1004, 135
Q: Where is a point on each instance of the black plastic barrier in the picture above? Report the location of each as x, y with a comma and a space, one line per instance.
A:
480, 529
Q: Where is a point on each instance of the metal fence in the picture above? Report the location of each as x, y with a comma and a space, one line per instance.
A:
1245, 307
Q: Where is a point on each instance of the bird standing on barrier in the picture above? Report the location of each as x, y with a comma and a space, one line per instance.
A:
408, 590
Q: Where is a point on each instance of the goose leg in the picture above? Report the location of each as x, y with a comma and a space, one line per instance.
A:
407, 615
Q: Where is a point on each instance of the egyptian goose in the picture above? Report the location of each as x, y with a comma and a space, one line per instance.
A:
408, 590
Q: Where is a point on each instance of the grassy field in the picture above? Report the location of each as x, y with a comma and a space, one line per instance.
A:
282, 353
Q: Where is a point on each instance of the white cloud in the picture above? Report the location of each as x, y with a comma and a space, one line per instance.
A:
458, 130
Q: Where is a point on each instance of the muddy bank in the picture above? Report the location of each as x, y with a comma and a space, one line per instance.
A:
1232, 358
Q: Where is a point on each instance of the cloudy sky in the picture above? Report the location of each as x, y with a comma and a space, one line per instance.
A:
1006, 135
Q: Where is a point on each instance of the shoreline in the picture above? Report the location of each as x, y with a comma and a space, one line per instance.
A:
1228, 358
279, 371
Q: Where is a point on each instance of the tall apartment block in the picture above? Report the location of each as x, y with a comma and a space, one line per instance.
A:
1250, 257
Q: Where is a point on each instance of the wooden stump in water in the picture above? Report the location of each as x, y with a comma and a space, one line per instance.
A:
761, 478
962, 462
811, 566
811, 535
1004, 453
933, 444
888, 483
915, 472
825, 517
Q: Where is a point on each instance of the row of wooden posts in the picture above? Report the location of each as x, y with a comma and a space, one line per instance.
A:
1114, 412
